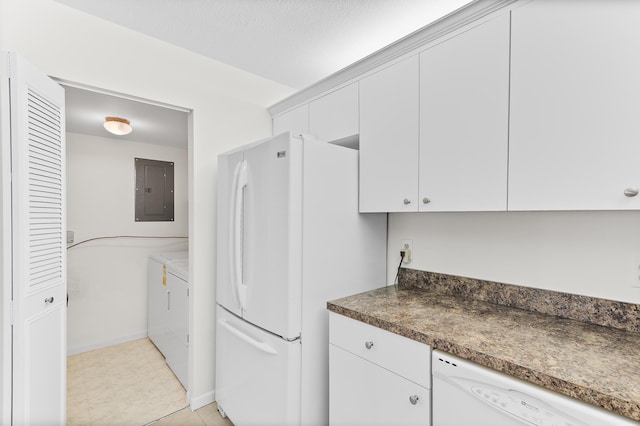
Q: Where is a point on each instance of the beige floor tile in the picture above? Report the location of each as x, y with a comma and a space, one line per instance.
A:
184, 417
211, 417
128, 384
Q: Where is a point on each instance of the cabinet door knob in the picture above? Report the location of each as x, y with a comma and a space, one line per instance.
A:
49, 300
425, 200
368, 345
407, 201
414, 399
631, 192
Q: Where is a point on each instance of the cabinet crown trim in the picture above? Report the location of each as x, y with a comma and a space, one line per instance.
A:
447, 24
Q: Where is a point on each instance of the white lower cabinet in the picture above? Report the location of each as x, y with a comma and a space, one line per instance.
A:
376, 377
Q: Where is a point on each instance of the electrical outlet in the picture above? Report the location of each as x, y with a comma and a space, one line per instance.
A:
407, 247
635, 271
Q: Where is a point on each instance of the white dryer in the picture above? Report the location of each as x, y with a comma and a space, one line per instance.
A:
168, 309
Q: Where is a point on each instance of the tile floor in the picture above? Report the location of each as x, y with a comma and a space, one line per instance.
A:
129, 385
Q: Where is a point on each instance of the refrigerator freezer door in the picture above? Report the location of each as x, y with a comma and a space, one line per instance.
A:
272, 240
257, 374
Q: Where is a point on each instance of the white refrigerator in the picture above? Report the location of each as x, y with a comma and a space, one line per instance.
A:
290, 238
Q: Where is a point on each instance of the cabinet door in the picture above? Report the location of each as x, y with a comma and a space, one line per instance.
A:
335, 115
464, 114
389, 139
575, 103
295, 121
362, 393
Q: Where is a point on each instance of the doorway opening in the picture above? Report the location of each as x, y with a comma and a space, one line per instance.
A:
107, 249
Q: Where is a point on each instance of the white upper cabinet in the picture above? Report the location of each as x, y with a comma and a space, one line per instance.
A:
464, 120
335, 115
531, 105
389, 138
296, 121
575, 105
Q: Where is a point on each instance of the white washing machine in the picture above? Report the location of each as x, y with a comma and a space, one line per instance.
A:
465, 393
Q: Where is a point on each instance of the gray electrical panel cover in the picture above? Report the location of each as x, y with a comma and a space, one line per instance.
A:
154, 190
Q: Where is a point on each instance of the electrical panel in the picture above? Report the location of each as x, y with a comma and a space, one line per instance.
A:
154, 190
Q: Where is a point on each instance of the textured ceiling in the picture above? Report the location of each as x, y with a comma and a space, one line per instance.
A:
292, 42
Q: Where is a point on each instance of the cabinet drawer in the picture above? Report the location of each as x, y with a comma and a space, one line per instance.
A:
403, 356
362, 393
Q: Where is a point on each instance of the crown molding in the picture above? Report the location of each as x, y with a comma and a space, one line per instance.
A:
443, 26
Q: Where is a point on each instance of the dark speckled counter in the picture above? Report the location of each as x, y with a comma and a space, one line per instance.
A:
594, 363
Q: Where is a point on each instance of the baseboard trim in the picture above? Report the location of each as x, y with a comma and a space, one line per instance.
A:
202, 400
103, 344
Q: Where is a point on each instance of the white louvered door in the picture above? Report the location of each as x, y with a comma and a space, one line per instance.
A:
38, 248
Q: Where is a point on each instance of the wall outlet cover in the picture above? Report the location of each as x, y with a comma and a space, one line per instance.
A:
407, 247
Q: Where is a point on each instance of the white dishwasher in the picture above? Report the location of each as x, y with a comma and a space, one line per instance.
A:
465, 393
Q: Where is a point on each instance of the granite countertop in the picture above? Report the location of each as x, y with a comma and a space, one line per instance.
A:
597, 364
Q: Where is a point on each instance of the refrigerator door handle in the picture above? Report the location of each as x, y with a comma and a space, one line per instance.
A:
238, 237
232, 237
261, 346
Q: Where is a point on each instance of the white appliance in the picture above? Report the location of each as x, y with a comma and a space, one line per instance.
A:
465, 393
290, 238
168, 309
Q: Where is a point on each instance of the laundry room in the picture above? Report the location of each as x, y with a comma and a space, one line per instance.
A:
108, 245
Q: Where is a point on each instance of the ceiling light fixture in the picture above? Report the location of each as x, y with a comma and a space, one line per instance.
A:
117, 126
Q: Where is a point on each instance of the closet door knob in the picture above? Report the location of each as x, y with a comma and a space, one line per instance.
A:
406, 201
631, 192
425, 200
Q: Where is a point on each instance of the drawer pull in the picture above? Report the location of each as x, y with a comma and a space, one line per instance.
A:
368, 345
631, 192
406, 201
414, 399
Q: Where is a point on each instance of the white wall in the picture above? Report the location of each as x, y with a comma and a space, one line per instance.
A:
229, 109
107, 279
587, 253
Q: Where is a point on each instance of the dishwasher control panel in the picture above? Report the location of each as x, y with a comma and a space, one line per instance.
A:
465, 393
